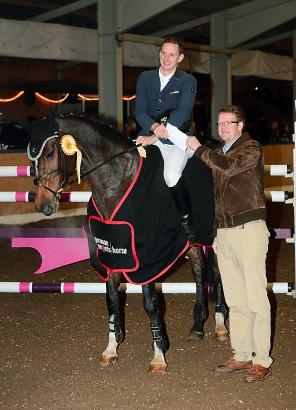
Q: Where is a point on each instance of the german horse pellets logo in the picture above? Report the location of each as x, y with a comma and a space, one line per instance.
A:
107, 247
113, 245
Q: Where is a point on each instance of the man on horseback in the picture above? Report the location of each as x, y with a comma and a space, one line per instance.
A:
164, 102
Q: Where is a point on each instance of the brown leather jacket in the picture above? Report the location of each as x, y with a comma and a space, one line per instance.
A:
238, 181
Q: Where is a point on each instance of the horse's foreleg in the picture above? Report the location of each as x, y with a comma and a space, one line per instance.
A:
200, 312
160, 340
221, 310
110, 355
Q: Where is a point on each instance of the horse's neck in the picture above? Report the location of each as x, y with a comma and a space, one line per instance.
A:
110, 182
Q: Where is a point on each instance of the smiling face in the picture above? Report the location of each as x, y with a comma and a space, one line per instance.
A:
229, 128
169, 57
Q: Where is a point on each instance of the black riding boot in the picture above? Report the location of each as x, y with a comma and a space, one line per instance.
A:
181, 199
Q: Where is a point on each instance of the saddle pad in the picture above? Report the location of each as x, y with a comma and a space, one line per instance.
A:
145, 223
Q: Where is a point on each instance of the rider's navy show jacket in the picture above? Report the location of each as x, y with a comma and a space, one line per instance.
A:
177, 96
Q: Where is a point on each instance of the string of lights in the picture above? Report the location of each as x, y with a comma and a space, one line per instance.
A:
132, 97
50, 100
58, 101
15, 97
88, 98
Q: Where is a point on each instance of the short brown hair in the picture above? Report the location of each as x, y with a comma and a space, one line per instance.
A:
173, 40
236, 110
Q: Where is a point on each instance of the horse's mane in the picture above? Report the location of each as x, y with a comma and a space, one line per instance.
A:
105, 129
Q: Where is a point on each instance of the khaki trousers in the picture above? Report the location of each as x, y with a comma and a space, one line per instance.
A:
241, 253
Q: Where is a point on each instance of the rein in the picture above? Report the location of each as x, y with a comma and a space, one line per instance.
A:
66, 177
105, 162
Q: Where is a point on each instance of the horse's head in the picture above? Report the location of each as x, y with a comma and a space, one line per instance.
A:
52, 167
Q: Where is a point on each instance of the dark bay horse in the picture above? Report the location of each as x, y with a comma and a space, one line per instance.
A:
115, 171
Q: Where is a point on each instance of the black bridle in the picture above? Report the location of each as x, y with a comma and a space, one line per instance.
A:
63, 170
60, 170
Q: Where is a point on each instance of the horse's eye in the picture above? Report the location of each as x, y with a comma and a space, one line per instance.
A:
49, 155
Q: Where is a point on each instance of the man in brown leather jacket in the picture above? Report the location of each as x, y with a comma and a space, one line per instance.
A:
242, 241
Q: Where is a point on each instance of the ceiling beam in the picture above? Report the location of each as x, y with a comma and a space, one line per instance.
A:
256, 17
132, 14
182, 27
272, 39
62, 11
29, 3
157, 41
251, 7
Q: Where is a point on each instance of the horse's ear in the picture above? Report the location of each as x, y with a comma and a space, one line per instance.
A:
58, 120
52, 121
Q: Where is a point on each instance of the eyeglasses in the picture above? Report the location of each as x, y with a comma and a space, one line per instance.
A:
227, 123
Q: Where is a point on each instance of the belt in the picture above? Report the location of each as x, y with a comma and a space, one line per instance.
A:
248, 223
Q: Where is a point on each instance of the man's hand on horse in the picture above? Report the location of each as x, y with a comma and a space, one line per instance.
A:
192, 143
146, 140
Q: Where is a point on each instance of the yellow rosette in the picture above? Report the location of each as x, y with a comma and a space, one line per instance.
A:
69, 147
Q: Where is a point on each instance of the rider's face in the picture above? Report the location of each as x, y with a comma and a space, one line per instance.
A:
169, 57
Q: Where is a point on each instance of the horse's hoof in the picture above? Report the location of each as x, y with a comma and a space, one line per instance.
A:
107, 361
159, 368
222, 336
195, 336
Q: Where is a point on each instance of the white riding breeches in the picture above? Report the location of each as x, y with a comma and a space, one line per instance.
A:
175, 161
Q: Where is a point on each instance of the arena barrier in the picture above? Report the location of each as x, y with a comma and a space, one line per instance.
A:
83, 287
62, 241
84, 196
48, 244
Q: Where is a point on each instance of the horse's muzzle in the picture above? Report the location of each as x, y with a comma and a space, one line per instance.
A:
47, 209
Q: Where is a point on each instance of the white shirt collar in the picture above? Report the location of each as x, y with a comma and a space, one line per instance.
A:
164, 79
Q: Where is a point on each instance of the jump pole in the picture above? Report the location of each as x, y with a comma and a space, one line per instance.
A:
14, 196
17, 171
84, 287
29, 171
84, 196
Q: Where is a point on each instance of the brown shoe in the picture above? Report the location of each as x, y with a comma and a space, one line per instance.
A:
257, 373
233, 365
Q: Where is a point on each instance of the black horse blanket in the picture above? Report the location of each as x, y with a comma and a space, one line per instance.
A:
143, 237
